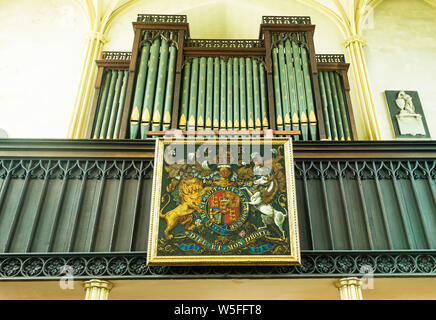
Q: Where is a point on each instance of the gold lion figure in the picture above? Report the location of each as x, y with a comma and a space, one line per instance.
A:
190, 191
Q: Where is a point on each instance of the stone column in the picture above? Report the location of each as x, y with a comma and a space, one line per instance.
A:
355, 46
97, 289
349, 288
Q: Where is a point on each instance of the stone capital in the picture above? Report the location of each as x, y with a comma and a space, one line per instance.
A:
349, 288
97, 289
355, 38
97, 36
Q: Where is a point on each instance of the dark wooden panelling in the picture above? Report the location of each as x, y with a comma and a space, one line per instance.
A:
322, 238
375, 215
81, 206
336, 211
396, 227
357, 219
304, 224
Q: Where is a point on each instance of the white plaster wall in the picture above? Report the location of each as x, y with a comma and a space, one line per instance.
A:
41, 56
401, 55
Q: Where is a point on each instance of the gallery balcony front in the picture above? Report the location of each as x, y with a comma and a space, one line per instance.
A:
362, 207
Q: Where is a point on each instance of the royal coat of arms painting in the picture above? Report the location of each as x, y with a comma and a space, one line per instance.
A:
230, 203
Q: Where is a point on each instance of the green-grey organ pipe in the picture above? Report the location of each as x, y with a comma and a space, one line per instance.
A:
302, 107
230, 93
209, 94
109, 102
169, 91
102, 103
256, 91
300, 89
292, 85
113, 116
201, 94
160, 86
193, 96
309, 94
223, 105
216, 94
185, 96
284, 88
330, 107
242, 97
138, 99
325, 111
250, 107
236, 107
121, 104
150, 87
277, 95
342, 106
338, 117
263, 97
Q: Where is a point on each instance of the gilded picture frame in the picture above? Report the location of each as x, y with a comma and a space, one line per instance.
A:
232, 212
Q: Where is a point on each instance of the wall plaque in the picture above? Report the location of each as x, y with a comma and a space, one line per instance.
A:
407, 116
223, 202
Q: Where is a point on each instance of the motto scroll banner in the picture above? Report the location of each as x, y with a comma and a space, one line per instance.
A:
223, 202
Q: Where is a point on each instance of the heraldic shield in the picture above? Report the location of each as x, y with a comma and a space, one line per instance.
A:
223, 203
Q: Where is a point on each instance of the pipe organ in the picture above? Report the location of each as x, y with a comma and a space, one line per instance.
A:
171, 81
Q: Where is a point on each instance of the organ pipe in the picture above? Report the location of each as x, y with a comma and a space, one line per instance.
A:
150, 87
169, 90
138, 99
